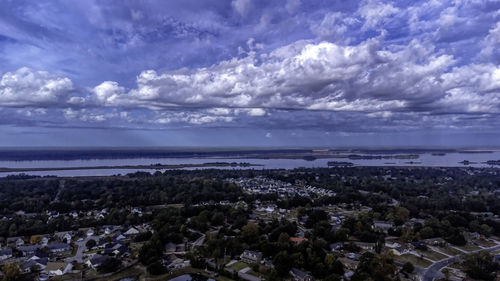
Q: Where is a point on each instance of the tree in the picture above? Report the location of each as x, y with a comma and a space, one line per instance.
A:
12, 272
401, 214
250, 232
282, 263
426, 232
408, 267
156, 268
35, 239
110, 265
284, 240
90, 244
480, 266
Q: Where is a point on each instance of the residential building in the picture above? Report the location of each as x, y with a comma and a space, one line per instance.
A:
251, 256
299, 275
57, 268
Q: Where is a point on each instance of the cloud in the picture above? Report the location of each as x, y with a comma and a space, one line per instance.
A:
107, 92
26, 87
491, 42
348, 66
304, 75
375, 13
333, 26
256, 112
241, 6
292, 6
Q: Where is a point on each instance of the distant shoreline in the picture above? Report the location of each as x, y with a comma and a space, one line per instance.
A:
39, 154
132, 167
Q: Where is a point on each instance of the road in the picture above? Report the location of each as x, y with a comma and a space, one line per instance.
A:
200, 240
434, 271
78, 257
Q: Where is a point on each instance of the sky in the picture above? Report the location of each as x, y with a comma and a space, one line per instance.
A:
249, 73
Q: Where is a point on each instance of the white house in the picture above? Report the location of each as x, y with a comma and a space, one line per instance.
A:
65, 235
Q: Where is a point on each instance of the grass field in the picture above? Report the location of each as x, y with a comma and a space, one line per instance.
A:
435, 256
469, 248
238, 266
449, 250
495, 252
416, 261
486, 244
253, 273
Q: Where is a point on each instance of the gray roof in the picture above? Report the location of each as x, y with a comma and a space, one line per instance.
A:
299, 273
7, 251
97, 260
54, 246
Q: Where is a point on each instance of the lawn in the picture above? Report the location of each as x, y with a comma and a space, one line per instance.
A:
485, 243
238, 266
469, 248
449, 250
134, 246
416, 261
495, 252
93, 252
253, 273
435, 256
69, 276
130, 272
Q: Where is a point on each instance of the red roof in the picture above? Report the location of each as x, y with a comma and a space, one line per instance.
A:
297, 239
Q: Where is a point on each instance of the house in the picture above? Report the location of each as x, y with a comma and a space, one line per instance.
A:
116, 249
33, 265
59, 247
39, 254
299, 275
57, 268
251, 256
353, 256
365, 245
131, 231
40, 239
5, 254
297, 240
118, 237
137, 211
88, 231
170, 247
421, 245
96, 261
15, 241
401, 250
392, 244
348, 275
64, 236
335, 247
382, 225
73, 214
29, 250
173, 261
108, 229
45, 239
436, 242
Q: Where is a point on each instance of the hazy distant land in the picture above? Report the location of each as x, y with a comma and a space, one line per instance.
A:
28, 154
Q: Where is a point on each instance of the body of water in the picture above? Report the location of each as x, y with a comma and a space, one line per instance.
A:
426, 159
